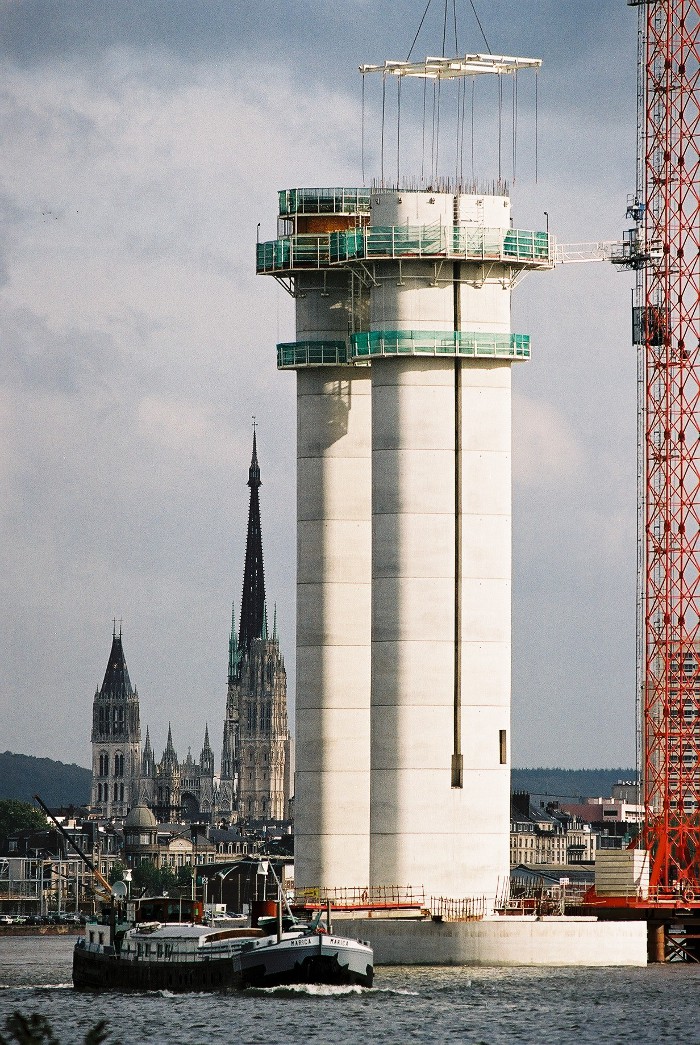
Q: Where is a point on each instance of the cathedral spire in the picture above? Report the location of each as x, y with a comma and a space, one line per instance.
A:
253, 600
116, 682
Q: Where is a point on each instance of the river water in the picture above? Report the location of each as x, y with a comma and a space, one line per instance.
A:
659, 1005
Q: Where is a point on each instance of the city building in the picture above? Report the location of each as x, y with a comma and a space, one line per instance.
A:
548, 836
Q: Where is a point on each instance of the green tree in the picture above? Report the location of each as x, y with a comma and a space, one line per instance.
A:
18, 816
154, 881
184, 877
116, 873
168, 881
146, 877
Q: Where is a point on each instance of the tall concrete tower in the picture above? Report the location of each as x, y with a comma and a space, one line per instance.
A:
404, 350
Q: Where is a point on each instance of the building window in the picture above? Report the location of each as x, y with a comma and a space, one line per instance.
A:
502, 747
119, 765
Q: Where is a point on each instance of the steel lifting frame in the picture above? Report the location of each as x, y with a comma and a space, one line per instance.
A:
670, 298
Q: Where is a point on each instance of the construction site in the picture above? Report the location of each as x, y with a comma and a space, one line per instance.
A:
403, 358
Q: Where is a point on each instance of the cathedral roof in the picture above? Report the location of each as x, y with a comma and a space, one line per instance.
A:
116, 681
141, 816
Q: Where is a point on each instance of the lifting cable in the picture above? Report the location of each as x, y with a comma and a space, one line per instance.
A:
398, 129
439, 92
432, 141
408, 56
460, 93
480, 26
461, 108
500, 116
473, 92
362, 131
422, 161
536, 137
383, 112
515, 123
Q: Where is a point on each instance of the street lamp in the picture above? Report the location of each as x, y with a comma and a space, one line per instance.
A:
221, 875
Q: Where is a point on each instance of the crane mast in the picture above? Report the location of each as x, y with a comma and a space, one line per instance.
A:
664, 249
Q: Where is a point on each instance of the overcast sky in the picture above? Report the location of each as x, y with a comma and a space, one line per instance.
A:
142, 143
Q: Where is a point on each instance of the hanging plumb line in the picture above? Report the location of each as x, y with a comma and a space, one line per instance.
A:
362, 130
383, 114
515, 123
398, 130
536, 129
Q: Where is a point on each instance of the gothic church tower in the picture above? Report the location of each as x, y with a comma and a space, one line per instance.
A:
116, 738
254, 778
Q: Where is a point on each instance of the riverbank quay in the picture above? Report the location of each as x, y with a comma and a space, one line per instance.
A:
503, 942
40, 930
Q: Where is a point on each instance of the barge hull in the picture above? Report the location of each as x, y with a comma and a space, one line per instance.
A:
110, 973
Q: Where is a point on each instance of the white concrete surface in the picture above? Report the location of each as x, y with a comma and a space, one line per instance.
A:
333, 618
451, 841
517, 941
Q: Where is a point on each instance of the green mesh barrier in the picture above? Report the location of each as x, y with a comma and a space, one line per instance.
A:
403, 241
311, 353
292, 252
474, 345
397, 241
324, 201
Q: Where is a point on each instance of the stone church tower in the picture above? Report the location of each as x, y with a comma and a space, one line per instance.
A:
116, 738
255, 754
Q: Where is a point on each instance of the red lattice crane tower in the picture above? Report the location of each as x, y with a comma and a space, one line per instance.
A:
664, 248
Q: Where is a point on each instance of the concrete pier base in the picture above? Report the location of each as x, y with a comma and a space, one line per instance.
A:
502, 941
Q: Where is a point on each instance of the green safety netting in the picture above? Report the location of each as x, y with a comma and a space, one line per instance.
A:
430, 240
324, 201
311, 353
470, 344
292, 252
402, 241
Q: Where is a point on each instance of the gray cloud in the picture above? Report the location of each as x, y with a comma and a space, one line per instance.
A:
143, 142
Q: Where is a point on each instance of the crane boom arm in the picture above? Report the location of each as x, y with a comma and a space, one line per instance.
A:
102, 881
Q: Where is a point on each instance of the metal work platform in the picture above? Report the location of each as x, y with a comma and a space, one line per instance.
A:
453, 68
